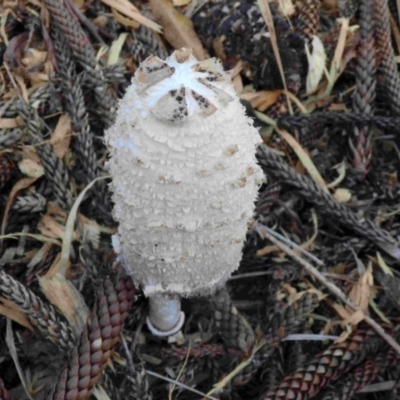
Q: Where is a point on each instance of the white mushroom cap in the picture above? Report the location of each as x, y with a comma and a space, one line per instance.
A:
185, 176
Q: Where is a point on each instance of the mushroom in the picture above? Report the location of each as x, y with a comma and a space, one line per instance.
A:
184, 181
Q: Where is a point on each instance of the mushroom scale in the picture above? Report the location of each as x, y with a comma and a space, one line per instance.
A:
184, 175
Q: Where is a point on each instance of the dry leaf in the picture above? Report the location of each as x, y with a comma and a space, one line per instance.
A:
61, 137
238, 83
31, 168
263, 99
100, 21
38, 256
267, 250
91, 230
286, 8
178, 29
10, 123
124, 20
361, 291
55, 210
341, 311
31, 153
21, 83
48, 68
128, 9
79, 3
38, 77
12, 311
116, 48
236, 77
269, 99
344, 335
55, 267
354, 319
287, 287
218, 46
61, 293
180, 3
49, 227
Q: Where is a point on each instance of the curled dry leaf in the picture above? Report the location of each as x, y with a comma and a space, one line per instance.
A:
178, 29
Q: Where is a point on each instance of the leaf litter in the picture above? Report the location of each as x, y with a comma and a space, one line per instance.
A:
331, 117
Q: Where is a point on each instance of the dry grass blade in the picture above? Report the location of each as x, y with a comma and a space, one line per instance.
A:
266, 13
305, 159
237, 370
14, 355
128, 9
9, 310
65, 251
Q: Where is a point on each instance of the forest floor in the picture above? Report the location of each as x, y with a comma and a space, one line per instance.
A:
313, 310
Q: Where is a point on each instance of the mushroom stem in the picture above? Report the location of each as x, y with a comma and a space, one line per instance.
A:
165, 315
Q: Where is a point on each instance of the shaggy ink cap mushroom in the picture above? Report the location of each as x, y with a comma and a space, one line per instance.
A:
184, 175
